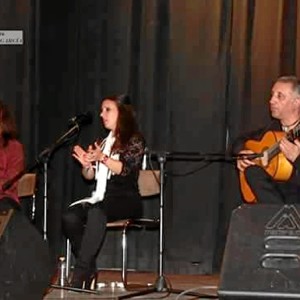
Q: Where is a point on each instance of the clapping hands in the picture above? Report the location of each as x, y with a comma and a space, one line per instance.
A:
87, 157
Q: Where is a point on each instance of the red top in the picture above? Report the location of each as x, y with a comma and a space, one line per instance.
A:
11, 163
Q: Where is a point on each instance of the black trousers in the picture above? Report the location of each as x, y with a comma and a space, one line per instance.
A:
85, 225
269, 191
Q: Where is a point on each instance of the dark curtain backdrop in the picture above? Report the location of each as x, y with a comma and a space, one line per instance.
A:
199, 73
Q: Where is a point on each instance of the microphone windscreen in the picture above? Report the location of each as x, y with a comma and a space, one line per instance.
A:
86, 118
82, 119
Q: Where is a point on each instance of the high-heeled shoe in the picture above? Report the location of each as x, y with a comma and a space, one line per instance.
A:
91, 281
82, 279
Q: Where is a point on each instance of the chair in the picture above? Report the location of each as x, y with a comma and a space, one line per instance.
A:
149, 185
26, 185
26, 188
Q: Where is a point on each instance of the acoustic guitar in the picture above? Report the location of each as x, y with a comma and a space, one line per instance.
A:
270, 158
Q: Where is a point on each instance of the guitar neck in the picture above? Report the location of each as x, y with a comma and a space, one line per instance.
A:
291, 136
273, 151
293, 133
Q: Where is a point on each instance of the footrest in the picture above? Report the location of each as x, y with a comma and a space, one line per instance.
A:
69, 288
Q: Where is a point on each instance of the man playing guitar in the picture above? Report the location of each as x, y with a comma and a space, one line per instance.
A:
274, 175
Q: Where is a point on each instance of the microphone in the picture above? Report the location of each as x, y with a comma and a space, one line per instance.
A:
82, 119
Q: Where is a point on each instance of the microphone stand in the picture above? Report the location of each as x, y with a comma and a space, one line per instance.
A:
160, 284
44, 157
45, 197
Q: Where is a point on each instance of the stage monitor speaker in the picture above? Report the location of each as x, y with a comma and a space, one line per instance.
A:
262, 253
25, 264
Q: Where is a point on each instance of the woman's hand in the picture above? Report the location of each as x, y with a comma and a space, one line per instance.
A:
82, 156
94, 153
243, 163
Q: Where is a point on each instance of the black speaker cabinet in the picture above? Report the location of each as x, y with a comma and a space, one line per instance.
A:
262, 253
25, 264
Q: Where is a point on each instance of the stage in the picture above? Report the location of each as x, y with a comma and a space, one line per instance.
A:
109, 287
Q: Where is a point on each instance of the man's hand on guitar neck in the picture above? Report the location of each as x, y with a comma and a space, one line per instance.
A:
243, 163
291, 150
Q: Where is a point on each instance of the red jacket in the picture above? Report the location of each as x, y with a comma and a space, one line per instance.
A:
11, 163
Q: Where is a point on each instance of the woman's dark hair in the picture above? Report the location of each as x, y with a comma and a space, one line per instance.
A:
126, 124
7, 124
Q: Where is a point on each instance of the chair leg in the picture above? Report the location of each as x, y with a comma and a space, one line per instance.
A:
33, 208
68, 258
124, 256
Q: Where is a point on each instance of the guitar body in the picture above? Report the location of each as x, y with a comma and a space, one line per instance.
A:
277, 167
